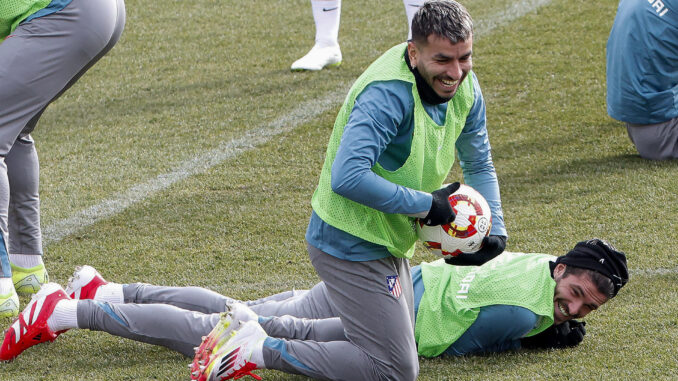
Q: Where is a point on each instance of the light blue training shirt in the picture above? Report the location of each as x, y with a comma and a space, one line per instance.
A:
642, 62
379, 130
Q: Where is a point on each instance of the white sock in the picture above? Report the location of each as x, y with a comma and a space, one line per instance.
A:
64, 316
411, 7
6, 286
110, 292
258, 355
326, 14
25, 260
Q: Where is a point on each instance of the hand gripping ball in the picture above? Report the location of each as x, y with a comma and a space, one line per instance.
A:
465, 234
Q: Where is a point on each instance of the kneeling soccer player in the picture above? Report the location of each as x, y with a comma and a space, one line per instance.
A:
540, 292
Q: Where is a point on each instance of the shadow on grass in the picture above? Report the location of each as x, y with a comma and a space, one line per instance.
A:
610, 165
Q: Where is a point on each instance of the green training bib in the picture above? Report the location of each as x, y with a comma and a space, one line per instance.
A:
428, 164
454, 294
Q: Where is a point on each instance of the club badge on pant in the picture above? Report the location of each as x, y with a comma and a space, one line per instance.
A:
393, 283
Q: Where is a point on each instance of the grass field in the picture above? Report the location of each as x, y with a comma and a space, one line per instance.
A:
189, 154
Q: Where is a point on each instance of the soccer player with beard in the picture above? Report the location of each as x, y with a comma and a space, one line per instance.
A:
392, 146
515, 300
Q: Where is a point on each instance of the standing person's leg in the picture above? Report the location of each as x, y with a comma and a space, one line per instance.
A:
25, 237
38, 62
325, 51
411, 7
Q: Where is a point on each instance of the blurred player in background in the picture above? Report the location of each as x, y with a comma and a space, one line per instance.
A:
48, 45
326, 51
642, 75
515, 300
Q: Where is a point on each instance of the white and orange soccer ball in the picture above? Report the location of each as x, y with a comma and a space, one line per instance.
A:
465, 234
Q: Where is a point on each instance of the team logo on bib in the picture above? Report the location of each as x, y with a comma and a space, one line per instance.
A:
393, 283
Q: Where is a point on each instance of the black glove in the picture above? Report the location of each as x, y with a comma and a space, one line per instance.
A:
492, 246
567, 334
441, 212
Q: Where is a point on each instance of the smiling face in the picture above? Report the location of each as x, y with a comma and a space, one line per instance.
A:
442, 64
575, 295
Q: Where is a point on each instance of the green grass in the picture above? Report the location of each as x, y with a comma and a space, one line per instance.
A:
188, 76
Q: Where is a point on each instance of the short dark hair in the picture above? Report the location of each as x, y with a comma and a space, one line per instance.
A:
602, 283
444, 18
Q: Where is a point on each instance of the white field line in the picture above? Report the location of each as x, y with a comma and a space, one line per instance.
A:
513, 12
250, 140
199, 164
654, 272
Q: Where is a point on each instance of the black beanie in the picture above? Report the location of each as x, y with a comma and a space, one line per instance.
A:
598, 255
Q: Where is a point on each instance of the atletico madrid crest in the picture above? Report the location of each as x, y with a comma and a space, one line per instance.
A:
393, 283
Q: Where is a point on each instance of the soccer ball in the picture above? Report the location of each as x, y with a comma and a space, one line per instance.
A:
465, 234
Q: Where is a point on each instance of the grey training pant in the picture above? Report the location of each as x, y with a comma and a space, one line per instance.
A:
38, 62
378, 321
188, 313
372, 338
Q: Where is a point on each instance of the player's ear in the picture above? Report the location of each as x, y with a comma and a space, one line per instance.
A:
559, 270
412, 53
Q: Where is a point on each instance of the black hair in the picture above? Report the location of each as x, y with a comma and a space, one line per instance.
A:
602, 283
444, 18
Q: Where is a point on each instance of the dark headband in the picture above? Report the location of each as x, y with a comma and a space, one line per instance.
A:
598, 255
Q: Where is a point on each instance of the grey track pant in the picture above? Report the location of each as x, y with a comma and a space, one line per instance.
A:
38, 62
378, 322
349, 327
188, 313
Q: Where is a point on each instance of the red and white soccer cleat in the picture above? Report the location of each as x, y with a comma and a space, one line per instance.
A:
84, 283
231, 357
30, 328
210, 343
231, 320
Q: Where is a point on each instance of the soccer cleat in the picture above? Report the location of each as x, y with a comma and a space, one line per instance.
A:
9, 304
84, 283
29, 280
30, 328
210, 343
318, 58
231, 359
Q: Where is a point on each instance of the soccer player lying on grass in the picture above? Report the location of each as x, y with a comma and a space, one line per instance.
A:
459, 310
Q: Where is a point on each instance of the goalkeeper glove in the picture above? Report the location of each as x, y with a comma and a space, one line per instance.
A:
441, 212
492, 246
568, 334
